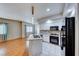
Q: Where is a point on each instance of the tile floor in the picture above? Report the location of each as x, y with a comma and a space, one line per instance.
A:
51, 50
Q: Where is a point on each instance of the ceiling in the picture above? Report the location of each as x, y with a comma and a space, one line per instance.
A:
24, 10
40, 9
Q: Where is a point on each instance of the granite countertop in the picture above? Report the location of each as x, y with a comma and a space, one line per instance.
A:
34, 38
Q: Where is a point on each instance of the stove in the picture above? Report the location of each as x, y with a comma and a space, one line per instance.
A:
54, 39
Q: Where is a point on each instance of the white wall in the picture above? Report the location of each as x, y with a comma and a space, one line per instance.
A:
23, 29
54, 22
77, 30
14, 29
69, 10
37, 27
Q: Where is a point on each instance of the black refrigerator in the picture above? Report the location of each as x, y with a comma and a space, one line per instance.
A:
70, 36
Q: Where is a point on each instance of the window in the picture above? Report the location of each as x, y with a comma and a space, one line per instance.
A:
3, 29
29, 29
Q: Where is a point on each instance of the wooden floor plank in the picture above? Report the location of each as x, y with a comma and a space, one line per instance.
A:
15, 47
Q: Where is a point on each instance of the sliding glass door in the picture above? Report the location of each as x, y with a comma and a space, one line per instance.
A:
3, 31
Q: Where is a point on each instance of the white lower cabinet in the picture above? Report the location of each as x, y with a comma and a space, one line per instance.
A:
46, 38
35, 47
2, 51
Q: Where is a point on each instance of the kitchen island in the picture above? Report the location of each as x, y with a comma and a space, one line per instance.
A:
34, 45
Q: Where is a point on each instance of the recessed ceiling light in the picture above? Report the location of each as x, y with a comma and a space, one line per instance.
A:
47, 9
48, 21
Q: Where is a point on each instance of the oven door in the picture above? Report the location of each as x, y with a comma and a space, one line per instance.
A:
54, 40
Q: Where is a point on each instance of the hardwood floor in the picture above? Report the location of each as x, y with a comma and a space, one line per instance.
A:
15, 47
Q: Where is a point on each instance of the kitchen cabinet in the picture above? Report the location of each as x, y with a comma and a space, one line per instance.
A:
46, 38
47, 33
34, 45
44, 27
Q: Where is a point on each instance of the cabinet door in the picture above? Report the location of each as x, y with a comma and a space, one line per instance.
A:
46, 38
44, 27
